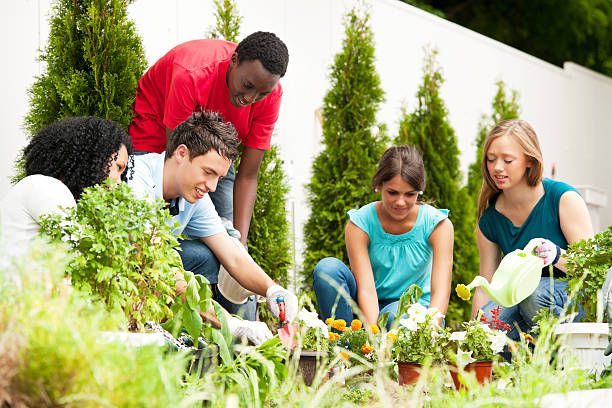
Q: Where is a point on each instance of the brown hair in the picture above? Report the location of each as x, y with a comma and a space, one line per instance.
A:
526, 137
403, 160
202, 132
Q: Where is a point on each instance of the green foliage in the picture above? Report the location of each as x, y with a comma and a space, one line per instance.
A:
502, 109
341, 173
588, 262
227, 20
94, 60
425, 344
269, 241
428, 129
124, 251
575, 30
51, 353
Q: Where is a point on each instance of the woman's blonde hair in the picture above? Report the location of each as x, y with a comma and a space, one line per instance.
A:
526, 137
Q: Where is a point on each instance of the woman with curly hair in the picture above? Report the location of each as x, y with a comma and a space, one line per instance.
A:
60, 161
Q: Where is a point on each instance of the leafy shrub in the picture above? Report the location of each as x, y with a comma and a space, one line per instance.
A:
124, 251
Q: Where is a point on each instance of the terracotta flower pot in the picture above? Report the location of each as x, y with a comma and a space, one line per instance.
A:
408, 372
482, 369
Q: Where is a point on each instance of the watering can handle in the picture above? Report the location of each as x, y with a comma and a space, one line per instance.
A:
531, 245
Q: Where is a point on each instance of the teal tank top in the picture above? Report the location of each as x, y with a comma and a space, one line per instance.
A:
399, 261
542, 222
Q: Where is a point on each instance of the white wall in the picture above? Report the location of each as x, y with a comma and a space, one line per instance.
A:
569, 107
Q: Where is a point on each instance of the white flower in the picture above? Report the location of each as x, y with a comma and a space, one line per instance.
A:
409, 323
458, 336
464, 357
418, 312
311, 320
498, 341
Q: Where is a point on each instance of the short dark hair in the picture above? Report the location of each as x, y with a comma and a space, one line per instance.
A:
78, 151
202, 132
404, 160
268, 49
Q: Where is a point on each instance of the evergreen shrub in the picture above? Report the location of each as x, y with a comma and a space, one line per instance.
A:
352, 145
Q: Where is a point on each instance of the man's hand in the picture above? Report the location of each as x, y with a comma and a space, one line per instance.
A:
291, 302
255, 332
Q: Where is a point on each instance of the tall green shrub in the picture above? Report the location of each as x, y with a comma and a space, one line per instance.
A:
341, 173
502, 108
428, 129
94, 59
268, 239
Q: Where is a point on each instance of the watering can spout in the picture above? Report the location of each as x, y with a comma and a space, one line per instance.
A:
480, 281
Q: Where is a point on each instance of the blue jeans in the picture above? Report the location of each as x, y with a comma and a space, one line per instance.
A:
522, 315
334, 300
199, 259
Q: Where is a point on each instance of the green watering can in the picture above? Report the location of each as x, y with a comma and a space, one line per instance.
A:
517, 276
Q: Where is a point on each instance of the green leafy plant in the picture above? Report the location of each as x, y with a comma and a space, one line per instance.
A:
124, 252
588, 262
429, 130
227, 21
94, 59
353, 143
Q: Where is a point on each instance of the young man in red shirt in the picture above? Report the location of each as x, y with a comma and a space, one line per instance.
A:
241, 83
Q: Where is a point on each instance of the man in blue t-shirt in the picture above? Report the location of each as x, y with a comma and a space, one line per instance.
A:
200, 152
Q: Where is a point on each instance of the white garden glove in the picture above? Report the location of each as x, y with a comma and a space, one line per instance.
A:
255, 332
547, 250
291, 302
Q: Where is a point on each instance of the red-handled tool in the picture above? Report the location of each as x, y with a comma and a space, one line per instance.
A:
287, 332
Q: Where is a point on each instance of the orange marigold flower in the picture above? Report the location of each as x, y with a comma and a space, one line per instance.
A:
331, 336
391, 337
529, 338
344, 355
513, 347
374, 329
329, 321
338, 324
366, 349
356, 325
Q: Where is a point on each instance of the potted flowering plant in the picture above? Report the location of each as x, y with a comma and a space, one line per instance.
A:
315, 345
357, 344
477, 345
419, 341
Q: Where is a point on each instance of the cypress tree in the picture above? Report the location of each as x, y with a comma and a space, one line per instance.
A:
428, 129
94, 59
341, 173
268, 238
502, 108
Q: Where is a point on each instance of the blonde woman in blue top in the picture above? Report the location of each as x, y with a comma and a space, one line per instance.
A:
391, 244
516, 205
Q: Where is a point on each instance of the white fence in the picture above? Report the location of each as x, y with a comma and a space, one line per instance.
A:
569, 107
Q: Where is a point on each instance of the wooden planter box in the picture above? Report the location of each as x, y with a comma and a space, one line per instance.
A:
586, 343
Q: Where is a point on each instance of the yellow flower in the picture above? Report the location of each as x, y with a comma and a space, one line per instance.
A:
345, 330
529, 338
356, 325
374, 329
329, 321
463, 291
391, 337
344, 355
366, 349
333, 336
338, 324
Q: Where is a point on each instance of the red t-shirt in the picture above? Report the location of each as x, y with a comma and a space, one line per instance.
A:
190, 76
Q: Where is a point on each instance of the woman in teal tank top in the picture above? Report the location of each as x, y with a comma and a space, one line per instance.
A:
391, 244
516, 205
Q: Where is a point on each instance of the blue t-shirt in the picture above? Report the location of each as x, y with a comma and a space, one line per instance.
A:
399, 261
542, 222
197, 220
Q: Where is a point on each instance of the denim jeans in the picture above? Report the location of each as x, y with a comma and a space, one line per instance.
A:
522, 315
223, 196
199, 259
333, 298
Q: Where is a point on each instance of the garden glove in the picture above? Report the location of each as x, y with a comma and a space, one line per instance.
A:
547, 251
255, 332
291, 302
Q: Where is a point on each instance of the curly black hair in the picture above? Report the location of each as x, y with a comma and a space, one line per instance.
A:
202, 132
267, 48
78, 151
